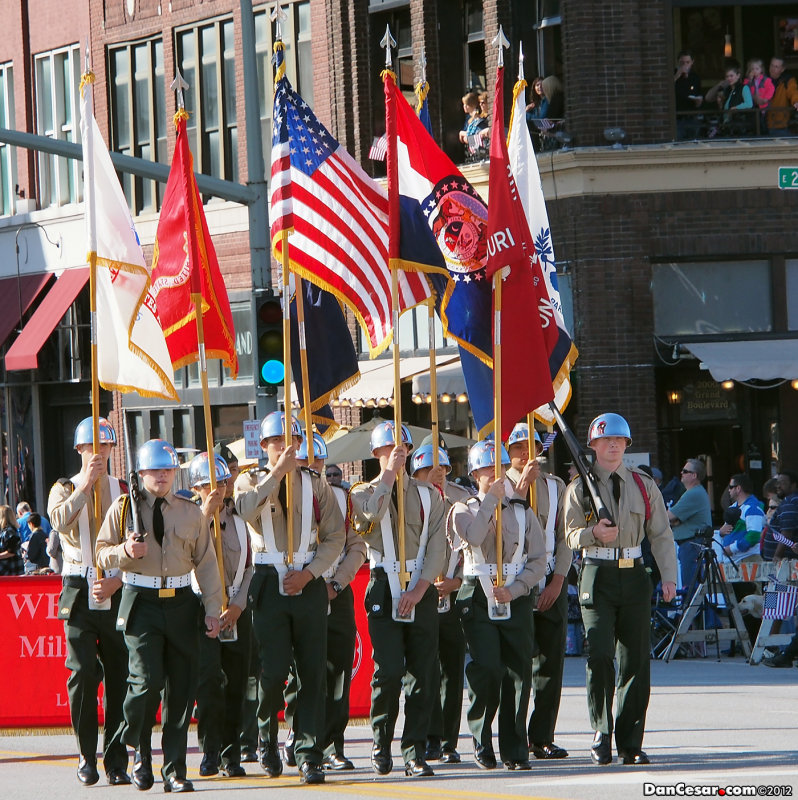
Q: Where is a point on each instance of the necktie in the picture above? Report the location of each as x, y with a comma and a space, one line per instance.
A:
157, 520
281, 497
616, 488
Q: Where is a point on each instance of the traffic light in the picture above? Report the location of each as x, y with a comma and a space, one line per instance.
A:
269, 316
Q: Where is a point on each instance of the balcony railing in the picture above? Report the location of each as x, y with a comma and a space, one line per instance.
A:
711, 123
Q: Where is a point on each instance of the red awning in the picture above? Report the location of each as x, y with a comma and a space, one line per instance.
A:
24, 353
18, 294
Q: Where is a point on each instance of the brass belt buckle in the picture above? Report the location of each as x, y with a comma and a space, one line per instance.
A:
625, 563
166, 592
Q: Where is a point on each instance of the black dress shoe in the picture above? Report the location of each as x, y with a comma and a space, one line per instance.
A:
517, 764
450, 756
288, 750
270, 760
381, 760
433, 751
601, 751
87, 771
248, 755
484, 756
117, 777
142, 772
633, 757
311, 773
337, 762
209, 765
233, 771
418, 768
548, 750
174, 784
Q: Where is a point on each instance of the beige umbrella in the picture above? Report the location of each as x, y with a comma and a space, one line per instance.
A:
355, 444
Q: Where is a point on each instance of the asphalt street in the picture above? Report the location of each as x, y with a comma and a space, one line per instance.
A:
711, 723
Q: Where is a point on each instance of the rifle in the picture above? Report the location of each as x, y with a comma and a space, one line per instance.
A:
583, 466
134, 489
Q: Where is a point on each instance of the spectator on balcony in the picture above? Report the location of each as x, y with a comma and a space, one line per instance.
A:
538, 105
474, 128
761, 87
732, 95
785, 95
552, 91
687, 87
11, 562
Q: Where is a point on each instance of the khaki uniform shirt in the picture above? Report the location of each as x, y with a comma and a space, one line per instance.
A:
354, 550
371, 501
479, 532
64, 506
187, 545
630, 517
562, 553
231, 554
254, 489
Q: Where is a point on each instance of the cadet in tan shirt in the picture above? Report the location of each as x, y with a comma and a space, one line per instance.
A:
614, 587
500, 673
551, 609
290, 605
89, 605
404, 651
159, 613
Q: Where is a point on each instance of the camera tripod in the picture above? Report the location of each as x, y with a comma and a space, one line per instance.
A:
706, 587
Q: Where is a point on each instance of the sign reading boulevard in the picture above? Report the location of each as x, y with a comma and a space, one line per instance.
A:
788, 177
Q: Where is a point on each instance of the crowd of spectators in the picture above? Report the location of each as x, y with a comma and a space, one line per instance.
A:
738, 106
25, 542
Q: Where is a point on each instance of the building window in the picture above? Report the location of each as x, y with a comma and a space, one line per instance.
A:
57, 75
474, 45
792, 294
138, 116
704, 298
548, 30
298, 63
206, 54
8, 167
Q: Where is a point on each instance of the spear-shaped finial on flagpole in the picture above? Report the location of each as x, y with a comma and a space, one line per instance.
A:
388, 42
177, 85
501, 42
423, 66
520, 61
278, 16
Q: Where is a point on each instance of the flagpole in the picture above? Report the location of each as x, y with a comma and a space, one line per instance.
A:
303, 364
393, 262
433, 386
86, 81
177, 85
531, 448
497, 412
289, 477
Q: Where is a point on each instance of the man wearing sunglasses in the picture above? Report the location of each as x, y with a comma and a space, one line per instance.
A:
689, 514
739, 538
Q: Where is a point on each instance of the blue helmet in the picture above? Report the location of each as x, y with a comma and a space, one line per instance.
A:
274, 425
520, 433
423, 458
483, 454
84, 433
199, 473
156, 454
319, 448
608, 425
383, 435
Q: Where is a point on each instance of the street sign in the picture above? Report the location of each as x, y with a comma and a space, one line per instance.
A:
788, 177
252, 438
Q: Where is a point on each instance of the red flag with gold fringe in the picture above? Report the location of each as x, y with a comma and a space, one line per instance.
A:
184, 263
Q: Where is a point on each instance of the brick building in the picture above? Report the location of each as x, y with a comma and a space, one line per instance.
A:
670, 252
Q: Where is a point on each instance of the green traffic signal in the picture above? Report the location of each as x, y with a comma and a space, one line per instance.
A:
271, 369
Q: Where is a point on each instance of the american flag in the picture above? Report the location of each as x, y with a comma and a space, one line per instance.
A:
548, 440
781, 538
478, 141
379, 147
338, 217
780, 601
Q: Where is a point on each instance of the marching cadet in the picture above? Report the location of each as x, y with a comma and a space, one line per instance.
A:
551, 610
444, 727
403, 621
341, 633
159, 613
224, 661
88, 605
501, 644
290, 604
614, 587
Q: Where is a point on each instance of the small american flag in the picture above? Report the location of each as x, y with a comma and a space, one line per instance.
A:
478, 141
548, 440
780, 601
379, 147
781, 538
